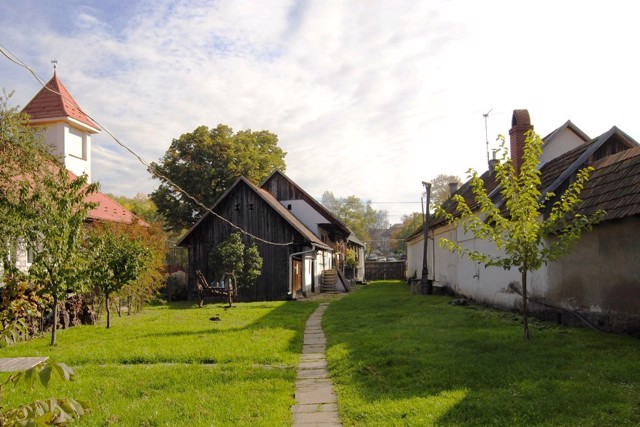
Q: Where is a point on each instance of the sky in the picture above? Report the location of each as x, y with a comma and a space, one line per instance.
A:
367, 97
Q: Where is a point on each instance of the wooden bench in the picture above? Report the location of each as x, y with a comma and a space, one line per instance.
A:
205, 290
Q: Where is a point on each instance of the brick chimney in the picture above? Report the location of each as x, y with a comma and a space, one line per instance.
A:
520, 124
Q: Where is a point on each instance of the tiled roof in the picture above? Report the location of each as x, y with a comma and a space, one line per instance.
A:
56, 102
614, 186
108, 209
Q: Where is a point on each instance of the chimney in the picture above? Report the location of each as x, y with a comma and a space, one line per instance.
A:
520, 124
453, 187
493, 162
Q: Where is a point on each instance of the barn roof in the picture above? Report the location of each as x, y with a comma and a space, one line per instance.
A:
272, 202
319, 207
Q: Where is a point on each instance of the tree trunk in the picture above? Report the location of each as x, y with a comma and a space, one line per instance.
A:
231, 288
54, 328
106, 304
129, 304
525, 306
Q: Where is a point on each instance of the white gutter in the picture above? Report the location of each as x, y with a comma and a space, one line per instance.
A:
313, 249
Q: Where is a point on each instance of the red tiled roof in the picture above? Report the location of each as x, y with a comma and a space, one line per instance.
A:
108, 209
54, 101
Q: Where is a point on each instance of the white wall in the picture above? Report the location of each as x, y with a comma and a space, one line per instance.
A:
71, 145
566, 140
306, 214
469, 278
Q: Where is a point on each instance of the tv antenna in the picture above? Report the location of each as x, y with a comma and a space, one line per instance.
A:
486, 134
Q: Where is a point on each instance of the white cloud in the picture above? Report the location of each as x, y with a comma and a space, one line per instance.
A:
367, 97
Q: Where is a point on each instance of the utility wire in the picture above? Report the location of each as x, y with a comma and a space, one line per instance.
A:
150, 168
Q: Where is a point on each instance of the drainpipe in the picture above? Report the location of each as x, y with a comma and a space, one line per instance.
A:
313, 249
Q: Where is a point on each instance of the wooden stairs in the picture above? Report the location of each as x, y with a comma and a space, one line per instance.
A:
329, 281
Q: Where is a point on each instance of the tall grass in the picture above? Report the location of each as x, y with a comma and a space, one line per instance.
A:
172, 365
402, 359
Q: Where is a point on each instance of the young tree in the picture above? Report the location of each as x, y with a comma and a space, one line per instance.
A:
235, 259
22, 155
525, 236
116, 260
151, 277
205, 163
57, 209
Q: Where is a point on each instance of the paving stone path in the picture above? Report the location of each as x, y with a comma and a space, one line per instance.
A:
316, 403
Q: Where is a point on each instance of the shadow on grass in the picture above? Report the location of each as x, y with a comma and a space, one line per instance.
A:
417, 353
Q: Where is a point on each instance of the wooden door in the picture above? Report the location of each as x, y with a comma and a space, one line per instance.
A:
296, 274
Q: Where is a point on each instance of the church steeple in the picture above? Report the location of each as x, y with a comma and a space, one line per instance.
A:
68, 129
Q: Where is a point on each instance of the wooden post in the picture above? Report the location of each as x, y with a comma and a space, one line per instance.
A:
425, 282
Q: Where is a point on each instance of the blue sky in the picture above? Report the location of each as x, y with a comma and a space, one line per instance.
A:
368, 97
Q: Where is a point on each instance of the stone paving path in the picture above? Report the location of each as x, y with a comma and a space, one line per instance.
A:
316, 401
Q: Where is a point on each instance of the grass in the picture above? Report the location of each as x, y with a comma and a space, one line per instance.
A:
172, 366
400, 359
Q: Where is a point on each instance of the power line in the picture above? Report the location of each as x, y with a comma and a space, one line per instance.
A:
150, 168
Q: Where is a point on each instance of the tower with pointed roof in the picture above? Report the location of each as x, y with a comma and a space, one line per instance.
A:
67, 129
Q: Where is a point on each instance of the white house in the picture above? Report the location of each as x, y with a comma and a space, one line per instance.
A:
67, 130
599, 284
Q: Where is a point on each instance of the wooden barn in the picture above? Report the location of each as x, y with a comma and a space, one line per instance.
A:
298, 239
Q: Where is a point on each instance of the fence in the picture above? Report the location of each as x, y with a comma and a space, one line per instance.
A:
390, 270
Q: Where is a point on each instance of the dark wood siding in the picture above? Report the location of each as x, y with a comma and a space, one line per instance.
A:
283, 189
243, 207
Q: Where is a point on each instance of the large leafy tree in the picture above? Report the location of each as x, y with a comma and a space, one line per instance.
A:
526, 232
116, 260
141, 205
205, 163
440, 190
357, 214
410, 223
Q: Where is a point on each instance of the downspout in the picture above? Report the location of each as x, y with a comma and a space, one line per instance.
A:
313, 249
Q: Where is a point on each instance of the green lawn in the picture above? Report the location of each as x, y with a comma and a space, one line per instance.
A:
400, 359
172, 366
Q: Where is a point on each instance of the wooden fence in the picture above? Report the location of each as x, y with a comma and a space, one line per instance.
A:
389, 270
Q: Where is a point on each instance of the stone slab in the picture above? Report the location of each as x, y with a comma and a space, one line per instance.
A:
13, 364
315, 339
316, 418
320, 392
311, 356
314, 407
312, 373
313, 364
313, 349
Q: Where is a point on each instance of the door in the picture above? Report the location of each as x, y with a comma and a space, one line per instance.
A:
296, 274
